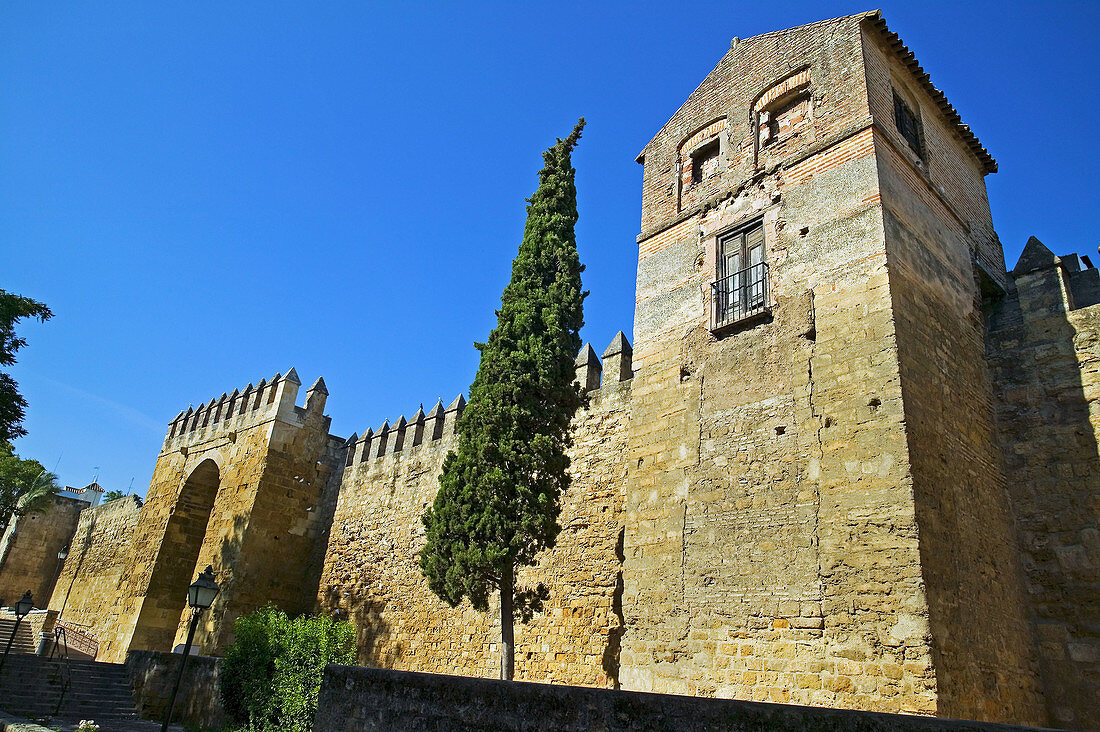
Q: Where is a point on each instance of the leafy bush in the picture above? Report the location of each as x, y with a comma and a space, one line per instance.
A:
271, 675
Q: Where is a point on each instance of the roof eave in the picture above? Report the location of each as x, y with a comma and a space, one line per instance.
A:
909, 60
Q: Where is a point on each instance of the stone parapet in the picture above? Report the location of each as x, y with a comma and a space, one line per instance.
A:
152, 675
353, 699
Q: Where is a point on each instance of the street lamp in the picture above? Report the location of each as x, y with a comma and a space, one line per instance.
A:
22, 607
200, 595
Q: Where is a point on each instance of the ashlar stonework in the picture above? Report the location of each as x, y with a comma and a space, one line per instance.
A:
850, 461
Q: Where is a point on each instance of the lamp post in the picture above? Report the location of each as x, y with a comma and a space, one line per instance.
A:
61, 557
22, 607
200, 595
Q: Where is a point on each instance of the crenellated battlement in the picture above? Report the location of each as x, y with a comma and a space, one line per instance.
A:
439, 423
242, 408
882, 495
405, 434
616, 368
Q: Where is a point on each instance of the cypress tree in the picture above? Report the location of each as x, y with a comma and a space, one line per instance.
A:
499, 496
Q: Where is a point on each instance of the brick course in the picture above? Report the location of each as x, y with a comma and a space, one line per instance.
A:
879, 493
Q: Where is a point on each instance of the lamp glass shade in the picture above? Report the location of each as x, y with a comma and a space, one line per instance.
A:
24, 604
203, 590
63, 554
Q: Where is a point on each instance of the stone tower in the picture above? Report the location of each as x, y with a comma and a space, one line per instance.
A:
239, 485
849, 460
816, 508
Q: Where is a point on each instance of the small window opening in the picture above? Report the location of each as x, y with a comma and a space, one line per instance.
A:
779, 121
704, 162
908, 125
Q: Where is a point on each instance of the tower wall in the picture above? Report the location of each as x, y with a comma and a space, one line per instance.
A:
29, 548
771, 542
86, 592
816, 504
940, 245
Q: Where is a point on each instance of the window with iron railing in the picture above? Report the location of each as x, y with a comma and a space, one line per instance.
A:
741, 289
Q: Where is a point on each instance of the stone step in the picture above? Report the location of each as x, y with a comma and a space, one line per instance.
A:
24, 641
27, 694
83, 711
35, 686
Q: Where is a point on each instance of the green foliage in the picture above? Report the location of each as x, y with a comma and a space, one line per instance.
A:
113, 495
498, 502
271, 675
13, 308
25, 486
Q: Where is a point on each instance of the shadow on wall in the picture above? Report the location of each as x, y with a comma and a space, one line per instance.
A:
615, 635
85, 545
1045, 354
173, 568
372, 634
218, 630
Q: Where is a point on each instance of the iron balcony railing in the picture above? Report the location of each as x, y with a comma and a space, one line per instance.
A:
739, 296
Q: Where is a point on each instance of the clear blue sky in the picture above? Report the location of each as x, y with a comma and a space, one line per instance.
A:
207, 193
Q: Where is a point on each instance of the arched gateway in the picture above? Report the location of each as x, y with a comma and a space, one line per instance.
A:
239, 484
174, 567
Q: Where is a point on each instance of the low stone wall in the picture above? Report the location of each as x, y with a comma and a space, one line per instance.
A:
152, 674
355, 698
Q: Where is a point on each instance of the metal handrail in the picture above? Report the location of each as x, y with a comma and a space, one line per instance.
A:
60, 644
79, 640
61, 648
740, 295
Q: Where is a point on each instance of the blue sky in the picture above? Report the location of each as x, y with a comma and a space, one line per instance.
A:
207, 193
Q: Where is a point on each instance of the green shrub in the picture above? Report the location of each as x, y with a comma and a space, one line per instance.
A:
271, 675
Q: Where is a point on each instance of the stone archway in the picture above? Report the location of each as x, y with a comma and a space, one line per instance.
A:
178, 553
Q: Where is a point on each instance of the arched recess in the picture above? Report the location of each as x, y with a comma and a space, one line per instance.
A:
174, 569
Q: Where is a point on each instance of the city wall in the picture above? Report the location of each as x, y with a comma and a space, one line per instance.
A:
875, 488
372, 576
1044, 348
29, 549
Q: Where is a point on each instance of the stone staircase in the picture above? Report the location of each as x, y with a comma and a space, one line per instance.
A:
25, 641
36, 688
